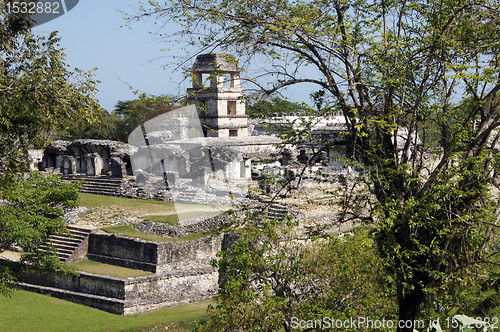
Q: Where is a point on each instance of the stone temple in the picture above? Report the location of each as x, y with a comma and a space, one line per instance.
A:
221, 104
205, 151
208, 142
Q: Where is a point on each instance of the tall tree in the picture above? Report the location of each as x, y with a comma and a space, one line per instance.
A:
272, 282
37, 93
37, 90
417, 82
136, 112
261, 107
108, 126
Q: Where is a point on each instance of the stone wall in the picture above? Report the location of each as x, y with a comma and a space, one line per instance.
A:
122, 251
155, 292
85, 283
126, 296
185, 227
156, 257
89, 157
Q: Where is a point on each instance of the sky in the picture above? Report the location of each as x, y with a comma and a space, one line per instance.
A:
94, 34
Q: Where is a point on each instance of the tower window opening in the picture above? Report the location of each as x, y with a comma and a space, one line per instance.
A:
228, 82
231, 107
205, 79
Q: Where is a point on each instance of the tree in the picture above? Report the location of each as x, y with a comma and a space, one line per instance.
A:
37, 94
272, 282
136, 112
108, 126
31, 211
37, 91
417, 82
257, 106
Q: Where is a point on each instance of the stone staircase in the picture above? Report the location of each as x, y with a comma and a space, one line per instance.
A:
187, 197
277, 211
102, 185
70, 247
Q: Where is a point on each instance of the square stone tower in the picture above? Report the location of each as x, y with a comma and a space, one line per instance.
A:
218, 96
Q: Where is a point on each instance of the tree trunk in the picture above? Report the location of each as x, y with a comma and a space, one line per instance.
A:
408, 308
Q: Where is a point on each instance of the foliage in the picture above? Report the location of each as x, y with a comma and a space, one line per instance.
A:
107, 126
31, 210
260, 107
417, 82
136, 112
37, 91
270, 277
37, 94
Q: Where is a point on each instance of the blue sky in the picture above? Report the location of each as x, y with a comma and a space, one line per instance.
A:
92, 36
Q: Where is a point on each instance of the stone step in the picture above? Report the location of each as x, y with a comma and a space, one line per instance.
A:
109, 304
66, 238
277, 211
66, 244
98, 189
100, 185
96, 185
78, 234
60, 249
98, 192
61, 255
103, 186
91, 178
78, 230
188, 197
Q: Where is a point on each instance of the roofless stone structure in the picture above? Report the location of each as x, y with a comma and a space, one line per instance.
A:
221, 104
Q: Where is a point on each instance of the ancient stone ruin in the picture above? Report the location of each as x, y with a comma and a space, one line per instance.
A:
87, 157
207, 151
221, 105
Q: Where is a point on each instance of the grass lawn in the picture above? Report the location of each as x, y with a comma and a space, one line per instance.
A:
130, 231
129, 204
173, 219
26, 311
150, 210
109, 270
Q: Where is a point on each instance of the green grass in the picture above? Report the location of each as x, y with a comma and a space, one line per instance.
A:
26, 311
106, 269
154, 210
147, 206
130, 231
173, 219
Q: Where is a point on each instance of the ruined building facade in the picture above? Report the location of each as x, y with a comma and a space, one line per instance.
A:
221, 104
87, 157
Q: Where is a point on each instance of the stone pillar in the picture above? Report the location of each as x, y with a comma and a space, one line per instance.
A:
72, 161
66, 166
173, 178
98, 164
118, 169
58, 167
90, 165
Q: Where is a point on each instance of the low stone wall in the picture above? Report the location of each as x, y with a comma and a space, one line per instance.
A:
155, 292
85, 283
183, 274
185, 226
126, 296
122, 251
156, 257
